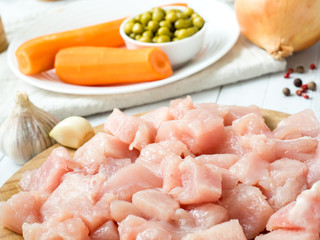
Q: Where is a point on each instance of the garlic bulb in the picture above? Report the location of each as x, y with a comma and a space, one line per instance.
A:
26, 132
280, 27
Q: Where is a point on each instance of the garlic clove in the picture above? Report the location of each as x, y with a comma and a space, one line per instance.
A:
72, 132
26, 132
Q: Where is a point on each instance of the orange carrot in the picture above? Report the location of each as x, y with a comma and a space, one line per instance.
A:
105, 66
37, 55
175, 4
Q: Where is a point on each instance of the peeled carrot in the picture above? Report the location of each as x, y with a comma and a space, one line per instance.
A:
105, 66
37, 55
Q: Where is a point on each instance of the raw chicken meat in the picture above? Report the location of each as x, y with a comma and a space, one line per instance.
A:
120, 209
48, 177
200, 184
102, 149
288, 234
130, 129
24, 207
154, 204
300, 214
230, 230
201, 130
286, 179
183, 172
301, 124
158, 116
107, 231
78, 195
247, 204
63, 227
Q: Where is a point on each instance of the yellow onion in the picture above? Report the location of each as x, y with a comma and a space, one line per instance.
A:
281, 27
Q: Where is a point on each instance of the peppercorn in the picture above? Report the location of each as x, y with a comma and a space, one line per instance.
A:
297, 82
300, 69
305, 95
286, 91
286, 75
299, 92
312, 86
304, 87
312, 66
290, 70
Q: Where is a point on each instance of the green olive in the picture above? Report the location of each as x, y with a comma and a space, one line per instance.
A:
145, 18
186, 32
181, 15
154, 39
145, 39
128, 27
153, 26
183, 23
136, 19
147, 33
172, 16
164, 31
188, 12
198, 22
137, 28
165, 23
158, 14
163, 38
137, 37
132, 35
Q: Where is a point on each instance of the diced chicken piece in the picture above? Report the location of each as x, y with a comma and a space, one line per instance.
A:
272, 149
251, 123
230, 230
134, 227
220, 160
250, 169
155, 205
129, 180
303, 123
208, 215
287, 178
171, 173
48, 176
230, 143
184, 220
178, 107
158, 116
78, 194
120, 209
130, 129
288, 234
247, 204
101, 149
300, 214
314, 167
153, 154
235, 112
112, 166
23, 207
69, 228
213, 107
107, 231
201, 130
200, 183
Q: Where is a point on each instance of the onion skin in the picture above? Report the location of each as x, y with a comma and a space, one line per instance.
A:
281, 27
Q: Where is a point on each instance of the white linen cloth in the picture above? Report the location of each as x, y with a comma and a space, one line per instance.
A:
242, 62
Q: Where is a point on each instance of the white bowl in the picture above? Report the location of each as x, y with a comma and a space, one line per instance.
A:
179, 52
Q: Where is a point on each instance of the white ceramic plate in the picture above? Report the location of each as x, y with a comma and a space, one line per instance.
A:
222, 33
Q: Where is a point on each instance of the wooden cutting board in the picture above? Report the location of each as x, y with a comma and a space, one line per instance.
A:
11, 186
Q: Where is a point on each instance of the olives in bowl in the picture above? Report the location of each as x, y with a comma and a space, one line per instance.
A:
178, 31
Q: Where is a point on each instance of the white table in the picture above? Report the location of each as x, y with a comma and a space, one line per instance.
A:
265, 91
